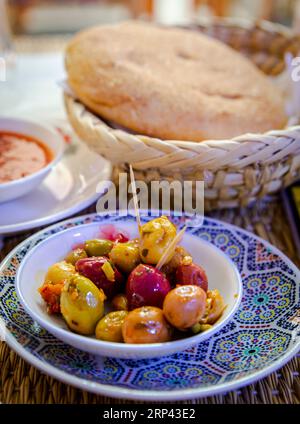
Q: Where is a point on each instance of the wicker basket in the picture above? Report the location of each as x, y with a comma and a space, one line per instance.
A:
236, 172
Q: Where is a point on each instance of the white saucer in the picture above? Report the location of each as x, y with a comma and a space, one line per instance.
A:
69, 188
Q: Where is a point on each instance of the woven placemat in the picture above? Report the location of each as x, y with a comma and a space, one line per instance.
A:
22, 383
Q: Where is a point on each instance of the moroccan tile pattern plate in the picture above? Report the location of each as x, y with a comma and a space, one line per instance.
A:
263, 335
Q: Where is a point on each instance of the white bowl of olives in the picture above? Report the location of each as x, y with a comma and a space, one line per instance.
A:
98, 288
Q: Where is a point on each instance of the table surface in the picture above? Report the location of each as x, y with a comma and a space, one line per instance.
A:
22, 383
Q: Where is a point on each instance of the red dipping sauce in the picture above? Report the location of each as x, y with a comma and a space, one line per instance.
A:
20, 156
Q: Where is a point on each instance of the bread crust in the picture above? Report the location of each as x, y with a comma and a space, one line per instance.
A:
171, 83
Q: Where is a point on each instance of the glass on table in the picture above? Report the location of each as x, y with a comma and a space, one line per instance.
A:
6, 48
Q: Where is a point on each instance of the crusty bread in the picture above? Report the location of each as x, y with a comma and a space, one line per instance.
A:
171, 83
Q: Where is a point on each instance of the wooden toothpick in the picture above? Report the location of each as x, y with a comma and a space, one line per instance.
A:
172, 246
135, 201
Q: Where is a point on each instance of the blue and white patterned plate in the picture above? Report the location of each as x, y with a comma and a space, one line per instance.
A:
263, 335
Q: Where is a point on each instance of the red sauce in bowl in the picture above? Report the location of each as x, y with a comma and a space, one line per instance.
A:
21, 155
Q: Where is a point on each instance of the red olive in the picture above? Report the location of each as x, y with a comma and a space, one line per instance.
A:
110, 232
102, 273
170, 268
191, 274
146, 286
120, 238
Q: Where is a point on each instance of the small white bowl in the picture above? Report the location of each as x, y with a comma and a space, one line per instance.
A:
222, 274
51, 139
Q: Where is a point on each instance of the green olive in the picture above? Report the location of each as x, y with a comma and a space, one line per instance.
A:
74, 256
98, 247
109, 328
200, 328
82, 304
59, 272
125, 256
134, 242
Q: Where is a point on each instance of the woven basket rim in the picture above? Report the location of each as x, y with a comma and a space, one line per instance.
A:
246, 23
75, 104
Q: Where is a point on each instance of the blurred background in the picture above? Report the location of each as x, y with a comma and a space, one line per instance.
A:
36, 26
62, 17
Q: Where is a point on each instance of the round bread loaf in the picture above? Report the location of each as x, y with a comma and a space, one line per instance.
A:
171, 83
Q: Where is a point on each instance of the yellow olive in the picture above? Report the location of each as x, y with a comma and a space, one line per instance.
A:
59, 272
98, 247
74, 256
120, 302
215, 306
156, 236
184, 306
82, 304
125, 256
180, 254
109, 328
146, 325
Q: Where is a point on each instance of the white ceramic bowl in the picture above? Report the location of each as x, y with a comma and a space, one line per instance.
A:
51, 139
222, 274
